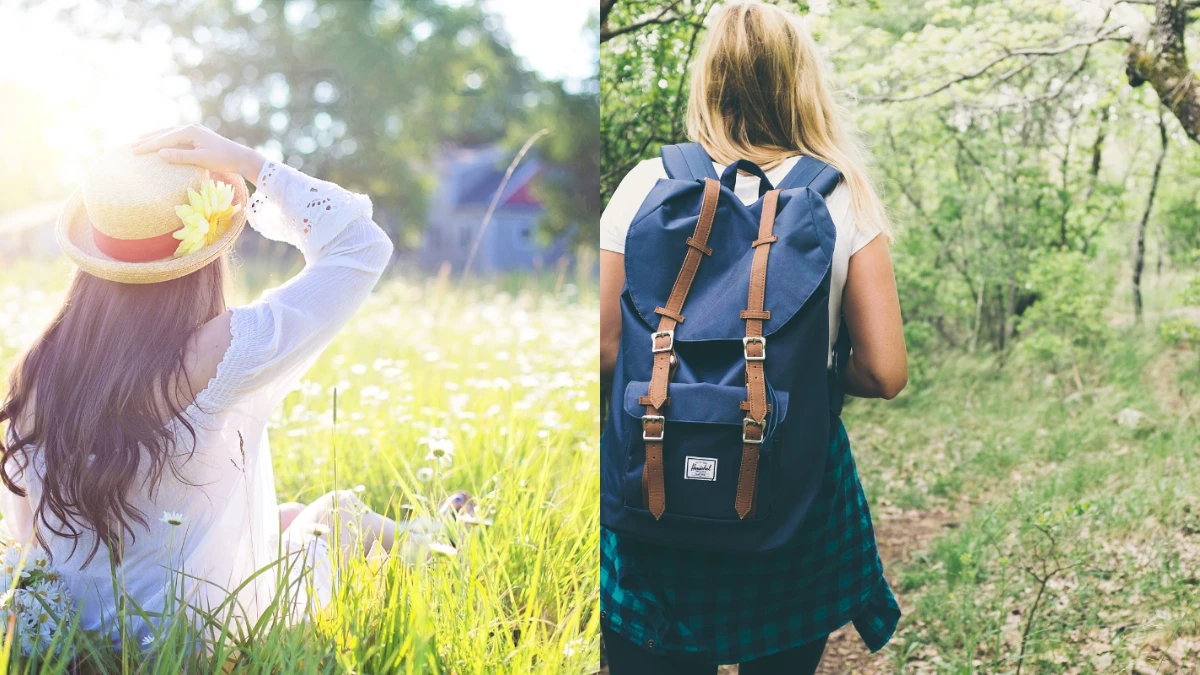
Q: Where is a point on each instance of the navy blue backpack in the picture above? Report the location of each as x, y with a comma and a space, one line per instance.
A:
722, 398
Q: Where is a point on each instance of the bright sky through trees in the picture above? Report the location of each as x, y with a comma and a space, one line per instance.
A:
77, 96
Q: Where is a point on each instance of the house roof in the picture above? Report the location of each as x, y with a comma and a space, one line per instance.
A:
479, 174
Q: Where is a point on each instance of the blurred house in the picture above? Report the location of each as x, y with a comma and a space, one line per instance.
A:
468, 179
29, 232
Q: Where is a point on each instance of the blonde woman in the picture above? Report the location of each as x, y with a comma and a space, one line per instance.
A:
759, 92
136, 451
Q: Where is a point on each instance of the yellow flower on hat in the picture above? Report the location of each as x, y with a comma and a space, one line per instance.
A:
206, 217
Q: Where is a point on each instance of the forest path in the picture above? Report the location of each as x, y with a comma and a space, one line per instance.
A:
899, 535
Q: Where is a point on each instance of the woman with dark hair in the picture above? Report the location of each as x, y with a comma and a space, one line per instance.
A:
136, 451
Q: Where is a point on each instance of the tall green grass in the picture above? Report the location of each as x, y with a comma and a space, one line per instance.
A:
1074, 540
509, 373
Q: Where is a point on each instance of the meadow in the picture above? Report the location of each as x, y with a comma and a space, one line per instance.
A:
1040, 520
504, 378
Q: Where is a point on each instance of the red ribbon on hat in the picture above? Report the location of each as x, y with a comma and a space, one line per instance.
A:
136, 250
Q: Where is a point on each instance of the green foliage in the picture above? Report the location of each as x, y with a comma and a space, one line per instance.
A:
1066, 322
570, 189
1181, 217
1184, 329
983, 178
1036, 483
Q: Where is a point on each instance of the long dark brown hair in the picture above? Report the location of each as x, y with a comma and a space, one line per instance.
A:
93, 396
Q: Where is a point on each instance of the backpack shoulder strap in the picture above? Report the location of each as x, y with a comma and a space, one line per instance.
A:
812, 173
687, 161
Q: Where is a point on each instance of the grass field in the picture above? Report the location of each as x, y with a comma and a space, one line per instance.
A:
1026, 528
509, 374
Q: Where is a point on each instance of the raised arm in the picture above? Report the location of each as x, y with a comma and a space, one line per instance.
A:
268, 345
345, 253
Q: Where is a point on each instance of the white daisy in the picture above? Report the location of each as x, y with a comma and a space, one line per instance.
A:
441, 450
424, 474
172, 518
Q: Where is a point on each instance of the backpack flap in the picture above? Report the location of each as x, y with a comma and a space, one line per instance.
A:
800, 259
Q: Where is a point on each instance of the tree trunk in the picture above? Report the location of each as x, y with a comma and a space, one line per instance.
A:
1139, 252
1162, 62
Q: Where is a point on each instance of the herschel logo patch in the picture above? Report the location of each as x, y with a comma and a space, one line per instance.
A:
700, 468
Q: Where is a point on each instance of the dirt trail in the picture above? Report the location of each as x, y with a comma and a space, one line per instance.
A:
899, 535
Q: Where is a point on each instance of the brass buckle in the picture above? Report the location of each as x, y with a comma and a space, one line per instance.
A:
758, 340
746, 424
646, 419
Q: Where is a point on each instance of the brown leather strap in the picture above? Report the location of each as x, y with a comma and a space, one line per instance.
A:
747, 481
745, 405
698, 246
755, 350
663, 311
653, 492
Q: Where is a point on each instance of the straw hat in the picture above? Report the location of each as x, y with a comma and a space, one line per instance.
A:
119, 225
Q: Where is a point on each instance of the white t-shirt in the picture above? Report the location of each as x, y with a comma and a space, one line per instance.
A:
851, 236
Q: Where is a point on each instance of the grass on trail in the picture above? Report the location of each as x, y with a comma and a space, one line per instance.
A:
1080, 537
510, 376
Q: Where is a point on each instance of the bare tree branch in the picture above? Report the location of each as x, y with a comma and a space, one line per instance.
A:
666, 15
1106, 36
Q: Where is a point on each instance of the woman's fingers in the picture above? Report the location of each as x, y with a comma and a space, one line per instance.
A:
182, 156
180, 136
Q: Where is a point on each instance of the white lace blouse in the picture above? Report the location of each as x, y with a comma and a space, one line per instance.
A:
230, 523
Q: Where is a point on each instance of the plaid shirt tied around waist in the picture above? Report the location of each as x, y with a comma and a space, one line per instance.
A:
727, 608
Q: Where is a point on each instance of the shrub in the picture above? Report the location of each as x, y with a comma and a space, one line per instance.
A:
1067, 320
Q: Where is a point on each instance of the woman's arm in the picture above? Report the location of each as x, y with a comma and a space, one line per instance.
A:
345, 254
612, 279
878, 365
269, 344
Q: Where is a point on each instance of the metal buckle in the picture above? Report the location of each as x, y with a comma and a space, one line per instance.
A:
746, 343
654, 418
748, 422
669, 334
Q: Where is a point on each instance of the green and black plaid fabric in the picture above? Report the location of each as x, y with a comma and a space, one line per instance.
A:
726, 608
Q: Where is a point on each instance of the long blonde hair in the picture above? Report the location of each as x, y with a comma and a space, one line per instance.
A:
759, 93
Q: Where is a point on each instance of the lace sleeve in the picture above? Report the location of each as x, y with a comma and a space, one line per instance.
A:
276, 339
305, 212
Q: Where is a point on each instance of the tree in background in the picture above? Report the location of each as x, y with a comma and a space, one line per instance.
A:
363, 93
571, 193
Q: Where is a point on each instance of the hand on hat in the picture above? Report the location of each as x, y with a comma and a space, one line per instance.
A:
199, 145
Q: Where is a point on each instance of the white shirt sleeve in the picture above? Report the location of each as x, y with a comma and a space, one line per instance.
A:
842, 212
625, 202
278, 337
